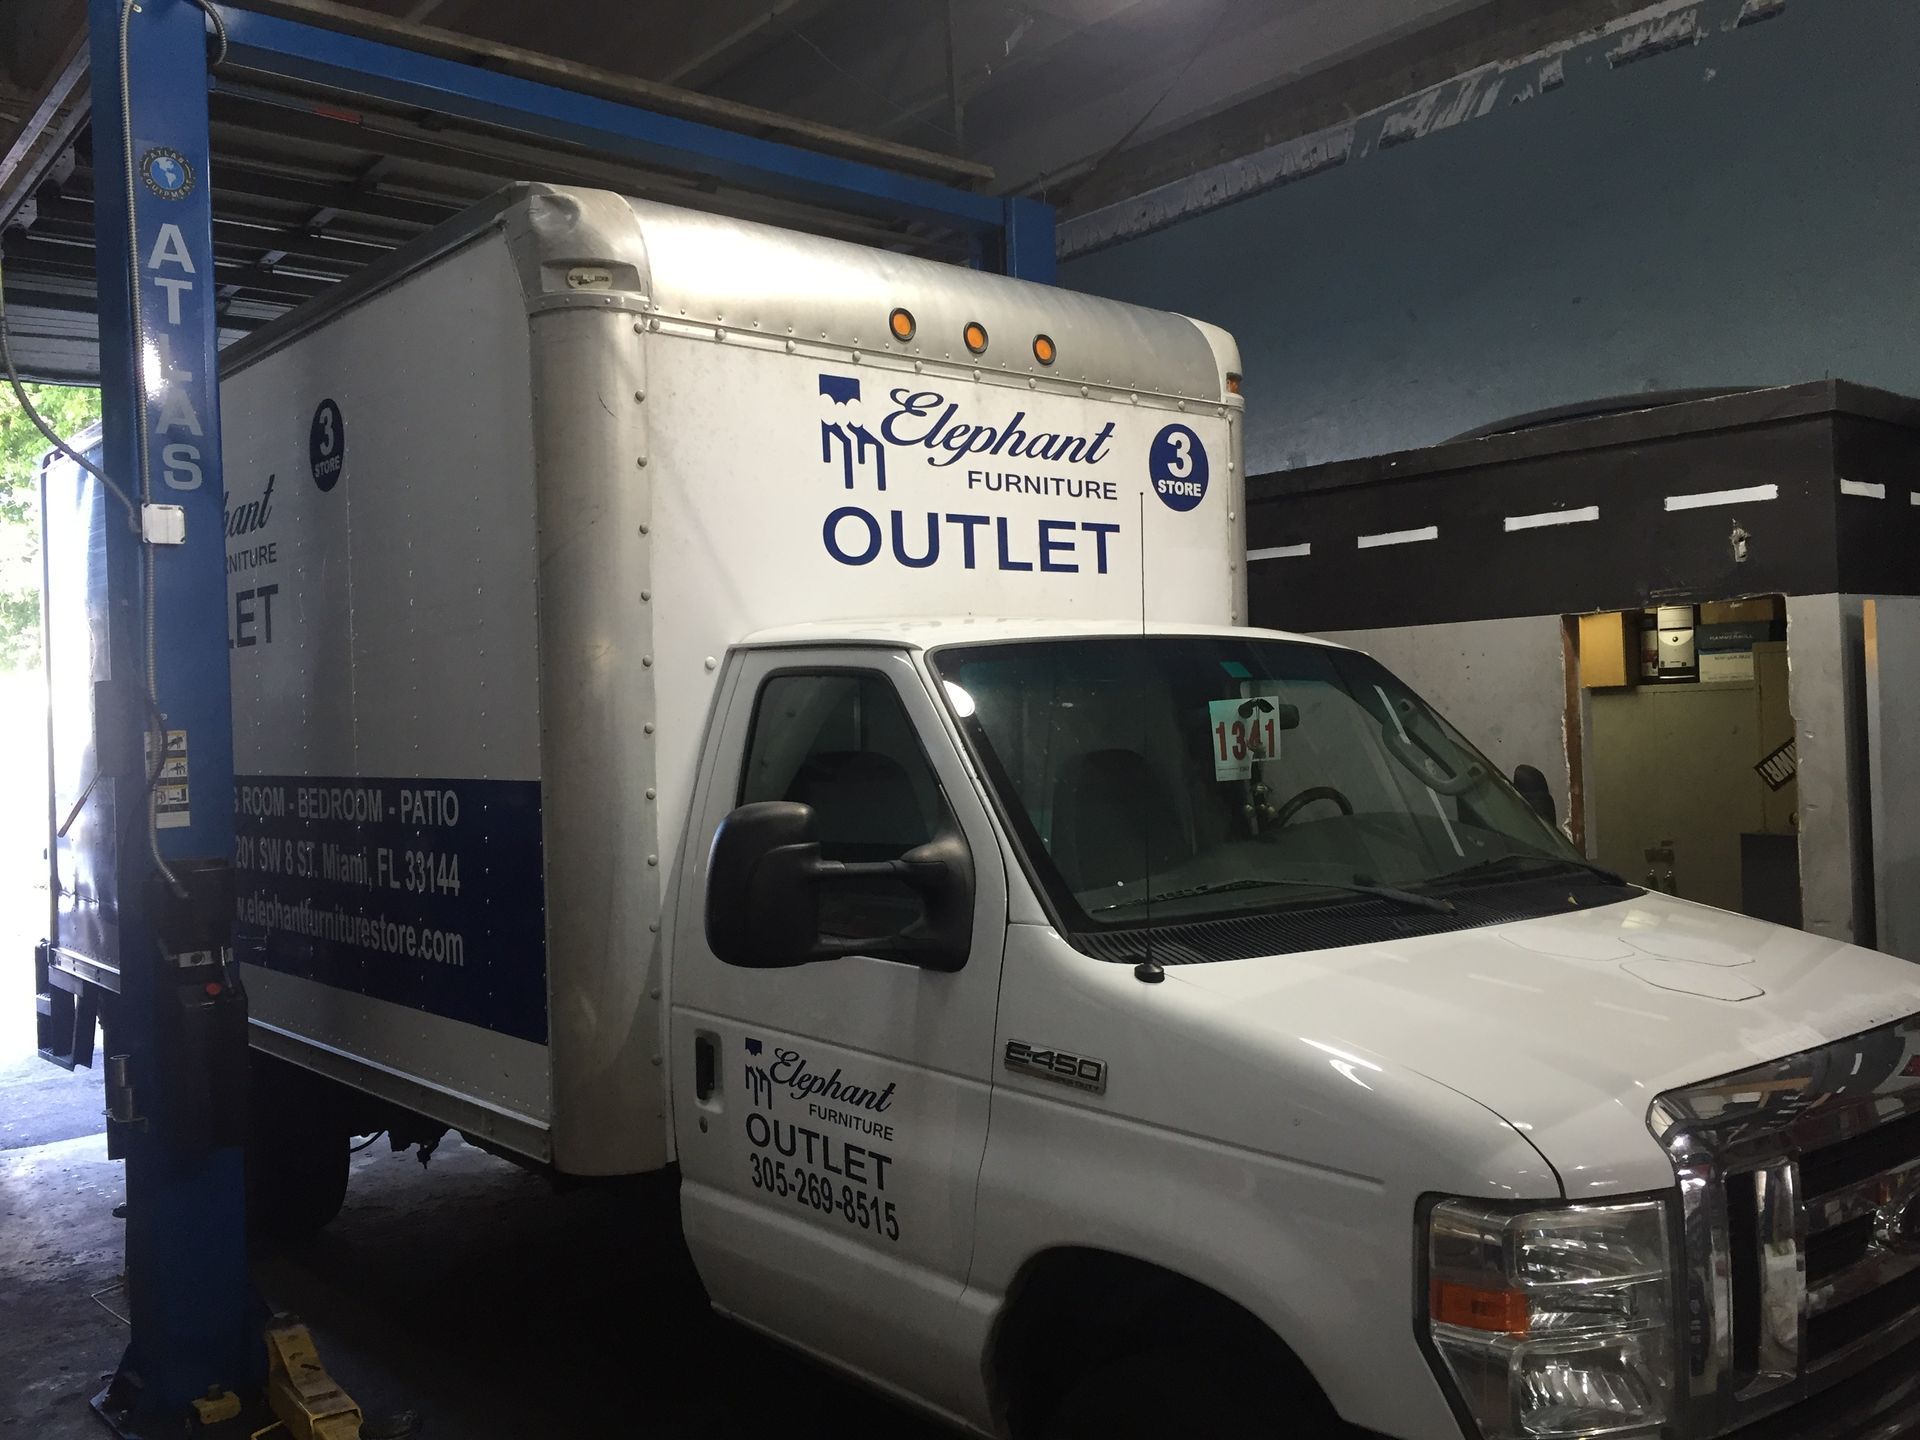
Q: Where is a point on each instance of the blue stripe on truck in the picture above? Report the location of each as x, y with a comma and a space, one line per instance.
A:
427, 893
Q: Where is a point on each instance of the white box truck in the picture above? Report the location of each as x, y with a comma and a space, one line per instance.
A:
725, 702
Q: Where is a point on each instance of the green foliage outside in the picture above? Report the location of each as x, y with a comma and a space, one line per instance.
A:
69, 410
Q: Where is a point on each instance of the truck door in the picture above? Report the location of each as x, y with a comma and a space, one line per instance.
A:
830, 1118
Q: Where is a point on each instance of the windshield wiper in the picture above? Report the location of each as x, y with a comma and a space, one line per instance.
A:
1525, 859
1404, 898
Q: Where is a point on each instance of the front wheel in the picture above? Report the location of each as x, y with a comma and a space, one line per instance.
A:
1173, 1393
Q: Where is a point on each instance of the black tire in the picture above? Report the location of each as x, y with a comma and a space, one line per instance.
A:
298, 1153
1175, 1394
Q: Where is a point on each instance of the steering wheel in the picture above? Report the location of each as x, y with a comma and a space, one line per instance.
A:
1307, 797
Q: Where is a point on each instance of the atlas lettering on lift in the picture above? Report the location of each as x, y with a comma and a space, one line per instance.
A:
170, 268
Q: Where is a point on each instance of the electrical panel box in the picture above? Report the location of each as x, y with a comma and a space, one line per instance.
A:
1609, 650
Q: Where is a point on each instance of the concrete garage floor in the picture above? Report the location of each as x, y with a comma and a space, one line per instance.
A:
471, 1293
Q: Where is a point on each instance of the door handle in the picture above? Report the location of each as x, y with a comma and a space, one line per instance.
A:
706, 1066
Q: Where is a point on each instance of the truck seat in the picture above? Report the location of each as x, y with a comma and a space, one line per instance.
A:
864, 804
1113, 821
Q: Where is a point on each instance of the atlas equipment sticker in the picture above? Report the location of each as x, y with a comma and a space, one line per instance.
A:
167, 172
425, 893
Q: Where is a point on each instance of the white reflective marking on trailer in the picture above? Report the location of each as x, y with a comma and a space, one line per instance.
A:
1552, 517
1287, 552
1702, 499
1398, 537
1913, 497
1870, 489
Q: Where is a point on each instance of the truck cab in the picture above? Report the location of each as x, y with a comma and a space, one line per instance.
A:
1144, 1020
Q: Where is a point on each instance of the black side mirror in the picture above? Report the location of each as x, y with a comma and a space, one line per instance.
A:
1534, 789
763, 895
763, 905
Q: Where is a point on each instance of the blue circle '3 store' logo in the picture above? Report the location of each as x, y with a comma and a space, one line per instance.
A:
1177, 466
327, 445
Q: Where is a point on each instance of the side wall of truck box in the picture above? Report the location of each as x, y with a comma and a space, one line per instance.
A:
385, 656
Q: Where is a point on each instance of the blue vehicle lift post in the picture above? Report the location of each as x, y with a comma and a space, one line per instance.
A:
176, 1101
176, 1029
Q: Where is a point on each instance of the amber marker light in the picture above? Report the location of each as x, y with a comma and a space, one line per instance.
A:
976, 337
1043, 349
900, 322
1497, 1312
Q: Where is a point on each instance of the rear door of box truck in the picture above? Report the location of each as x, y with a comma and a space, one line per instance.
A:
381, 570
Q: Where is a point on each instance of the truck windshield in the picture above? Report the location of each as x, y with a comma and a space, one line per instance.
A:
1158, 779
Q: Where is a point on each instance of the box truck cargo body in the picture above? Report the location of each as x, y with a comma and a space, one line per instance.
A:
512, 501
727, 703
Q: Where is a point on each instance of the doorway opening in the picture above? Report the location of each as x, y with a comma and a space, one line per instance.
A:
1681, 745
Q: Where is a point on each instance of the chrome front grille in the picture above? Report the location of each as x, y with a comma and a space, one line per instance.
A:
1800, 1193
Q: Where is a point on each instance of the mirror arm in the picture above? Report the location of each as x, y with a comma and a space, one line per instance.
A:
942, 872
859, 870
917, 873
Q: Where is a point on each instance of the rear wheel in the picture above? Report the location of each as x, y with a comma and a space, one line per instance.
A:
298, 1151
1190, 1393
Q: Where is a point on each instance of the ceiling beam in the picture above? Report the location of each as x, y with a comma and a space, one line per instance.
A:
491, 160
72, 221
625, 89
235, 179
46, 131
36, 39
709, 59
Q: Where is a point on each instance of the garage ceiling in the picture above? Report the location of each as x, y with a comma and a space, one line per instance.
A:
1043, 84
1079, 101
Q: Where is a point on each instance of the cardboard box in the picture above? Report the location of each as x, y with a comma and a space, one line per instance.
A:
1755, 609
1717, 667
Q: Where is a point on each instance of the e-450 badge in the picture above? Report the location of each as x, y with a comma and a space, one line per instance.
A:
1082, 1072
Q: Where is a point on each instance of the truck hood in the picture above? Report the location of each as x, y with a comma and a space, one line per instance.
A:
1569, 1026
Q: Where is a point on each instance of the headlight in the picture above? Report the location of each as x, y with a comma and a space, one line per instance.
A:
1554, 1322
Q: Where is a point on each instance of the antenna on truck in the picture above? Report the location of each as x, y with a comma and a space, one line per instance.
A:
1149, 971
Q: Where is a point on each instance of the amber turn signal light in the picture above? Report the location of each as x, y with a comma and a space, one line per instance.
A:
1498, 1312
